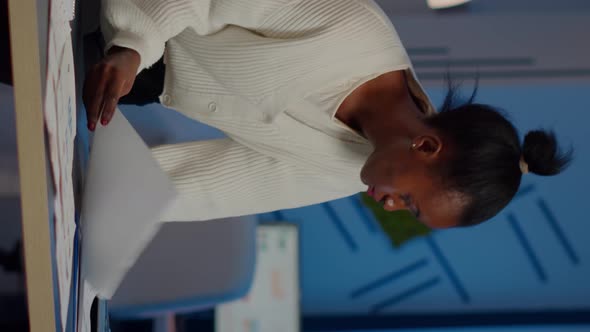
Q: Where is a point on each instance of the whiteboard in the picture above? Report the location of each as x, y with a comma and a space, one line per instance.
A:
273, 301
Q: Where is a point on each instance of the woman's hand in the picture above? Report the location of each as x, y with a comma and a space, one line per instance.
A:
106, 82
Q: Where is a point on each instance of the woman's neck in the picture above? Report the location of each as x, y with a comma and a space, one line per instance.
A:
381, 107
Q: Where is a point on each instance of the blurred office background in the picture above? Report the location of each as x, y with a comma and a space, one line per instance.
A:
525, 270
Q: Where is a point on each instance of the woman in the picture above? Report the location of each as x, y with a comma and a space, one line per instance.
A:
310, 94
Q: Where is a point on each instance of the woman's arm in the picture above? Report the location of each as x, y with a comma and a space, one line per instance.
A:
222, 178
135, 32
107, 81
145, 25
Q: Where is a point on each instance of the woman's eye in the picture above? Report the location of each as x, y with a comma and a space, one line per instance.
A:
408, 201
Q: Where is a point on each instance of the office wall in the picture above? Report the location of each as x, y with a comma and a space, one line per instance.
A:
413, 7
502, 48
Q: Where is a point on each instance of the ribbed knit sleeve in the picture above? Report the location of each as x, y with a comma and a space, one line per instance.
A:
222, 178
146, 25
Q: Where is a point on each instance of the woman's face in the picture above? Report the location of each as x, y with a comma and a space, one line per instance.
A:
407, 183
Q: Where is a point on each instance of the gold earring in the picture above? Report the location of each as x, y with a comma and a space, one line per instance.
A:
414, 146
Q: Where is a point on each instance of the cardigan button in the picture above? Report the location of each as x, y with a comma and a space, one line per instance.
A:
212, 107
267, 118
166, 99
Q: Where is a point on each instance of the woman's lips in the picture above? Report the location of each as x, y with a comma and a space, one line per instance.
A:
371, 191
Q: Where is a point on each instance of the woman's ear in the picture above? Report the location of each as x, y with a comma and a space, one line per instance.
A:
428, 146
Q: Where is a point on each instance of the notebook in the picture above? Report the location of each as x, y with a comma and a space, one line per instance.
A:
124, 193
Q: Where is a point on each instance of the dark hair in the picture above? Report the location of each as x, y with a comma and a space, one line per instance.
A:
484, 159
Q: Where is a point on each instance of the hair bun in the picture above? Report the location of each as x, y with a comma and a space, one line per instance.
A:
542, 154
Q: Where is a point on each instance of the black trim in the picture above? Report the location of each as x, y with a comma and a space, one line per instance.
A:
474, 62
5, 53
508, 74
368, 322
417, 51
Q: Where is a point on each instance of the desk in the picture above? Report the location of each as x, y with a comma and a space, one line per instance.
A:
29, 41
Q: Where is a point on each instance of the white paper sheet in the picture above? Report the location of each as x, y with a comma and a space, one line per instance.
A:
124, 194
60, 120
87, 295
